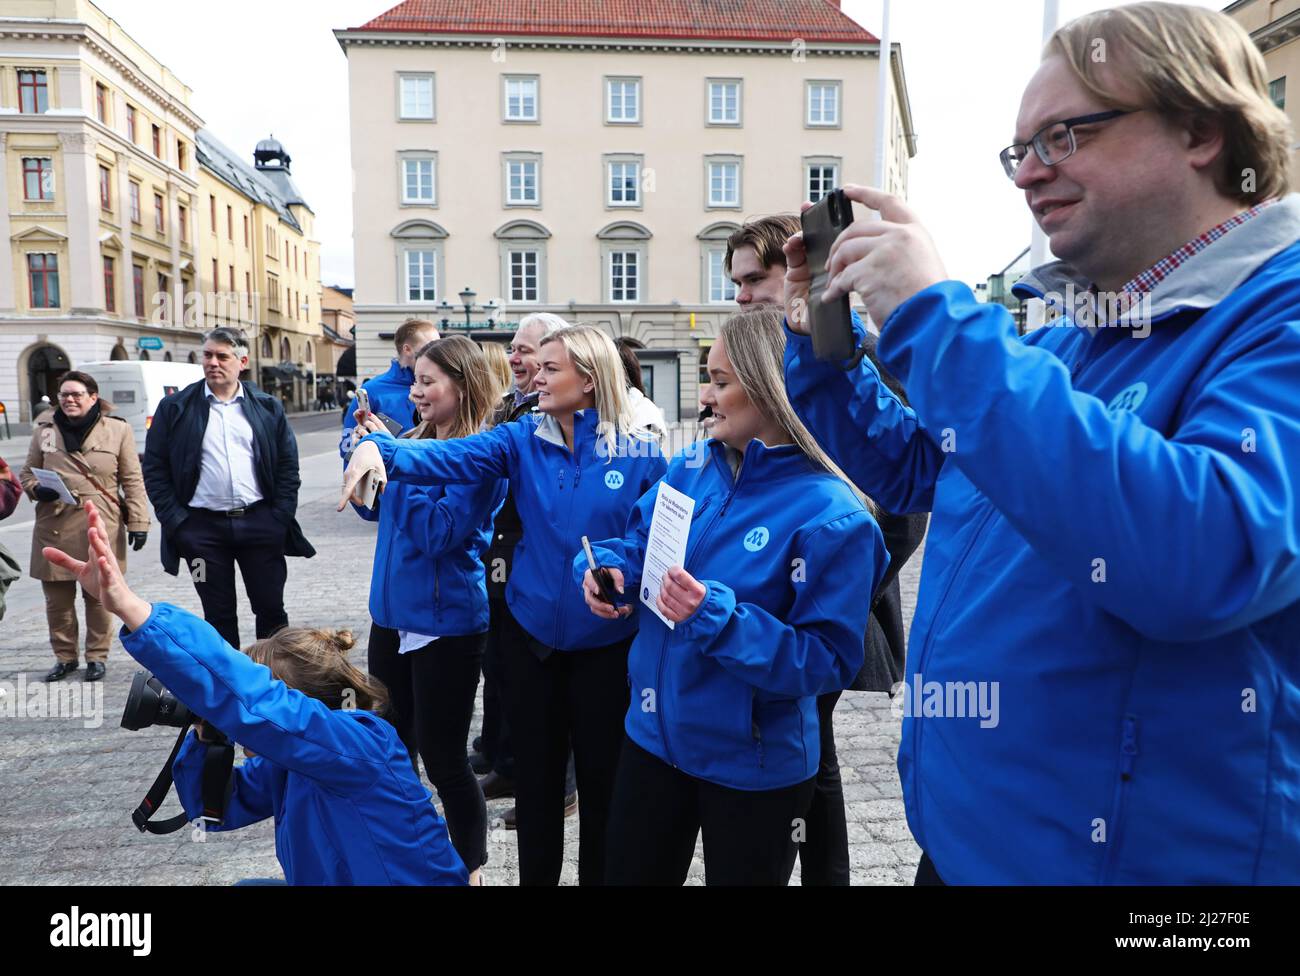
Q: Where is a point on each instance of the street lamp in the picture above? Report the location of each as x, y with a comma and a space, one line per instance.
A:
467, 297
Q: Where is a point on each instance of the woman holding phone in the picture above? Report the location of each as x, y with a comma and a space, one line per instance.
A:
766, 614
428, 593
575, 468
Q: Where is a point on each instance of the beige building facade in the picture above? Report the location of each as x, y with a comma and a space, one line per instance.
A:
98, 200
1274, 26
595, 170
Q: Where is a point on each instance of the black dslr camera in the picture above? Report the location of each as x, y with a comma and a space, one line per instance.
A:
148, 704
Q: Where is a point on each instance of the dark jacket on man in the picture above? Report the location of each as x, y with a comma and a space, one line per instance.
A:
174, 447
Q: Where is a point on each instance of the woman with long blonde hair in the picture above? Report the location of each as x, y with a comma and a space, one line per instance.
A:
577, 467
766, 614
428, 589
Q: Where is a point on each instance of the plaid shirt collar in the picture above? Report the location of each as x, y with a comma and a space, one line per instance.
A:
1146, 282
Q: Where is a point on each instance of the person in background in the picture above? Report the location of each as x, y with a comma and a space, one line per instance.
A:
390, 391
494, 757
1116, 542
221, 468
428, 598
95, 455
645, 412
499, 364
578, 467
322, 760
756, 263
765, 614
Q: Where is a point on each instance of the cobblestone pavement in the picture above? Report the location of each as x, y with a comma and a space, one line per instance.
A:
71, 781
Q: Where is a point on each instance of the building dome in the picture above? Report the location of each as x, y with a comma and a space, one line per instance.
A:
270, 154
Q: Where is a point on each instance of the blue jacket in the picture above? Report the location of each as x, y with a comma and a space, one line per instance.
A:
561, 496
428, 577
390, 395
1116, 543
348, 808
730, 694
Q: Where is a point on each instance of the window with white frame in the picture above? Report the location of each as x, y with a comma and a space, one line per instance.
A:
623, 100
523, 181
421, 276
721, 287
820, 177
723, 182
823, 103
724, 102
623, 182
523, 275
521, 99
624, 275
419, 180
415, 97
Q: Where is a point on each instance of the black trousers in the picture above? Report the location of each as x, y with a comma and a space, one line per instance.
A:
577, 697
432, 693
824, 854
659, 811
496, 730
212, 544
926, 873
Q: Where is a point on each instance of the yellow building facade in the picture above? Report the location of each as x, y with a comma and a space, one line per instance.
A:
97, 202
1274, 26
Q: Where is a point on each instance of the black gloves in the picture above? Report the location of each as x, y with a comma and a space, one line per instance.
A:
137, 540
44, 494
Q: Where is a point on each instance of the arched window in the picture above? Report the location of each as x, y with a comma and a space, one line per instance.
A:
119, 352
144, 355
266, 347
307, 352
167, 357
192, 358
286, 354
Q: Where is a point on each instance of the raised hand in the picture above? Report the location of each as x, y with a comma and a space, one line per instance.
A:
100, 575
886, 261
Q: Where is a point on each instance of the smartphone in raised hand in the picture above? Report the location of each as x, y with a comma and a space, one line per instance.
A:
831, 325
604, 581
363, 402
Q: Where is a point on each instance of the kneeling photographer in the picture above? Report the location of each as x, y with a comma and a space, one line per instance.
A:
322, 761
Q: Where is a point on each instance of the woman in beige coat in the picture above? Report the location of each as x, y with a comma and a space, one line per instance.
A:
94, 453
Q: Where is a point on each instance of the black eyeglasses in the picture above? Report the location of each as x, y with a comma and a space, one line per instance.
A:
1054, 141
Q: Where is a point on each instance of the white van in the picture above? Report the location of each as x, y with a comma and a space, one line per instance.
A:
135, 389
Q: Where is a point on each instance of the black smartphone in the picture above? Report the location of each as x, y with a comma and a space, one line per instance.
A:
832, 325
604, 581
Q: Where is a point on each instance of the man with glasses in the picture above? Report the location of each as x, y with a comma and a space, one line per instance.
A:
1104, 676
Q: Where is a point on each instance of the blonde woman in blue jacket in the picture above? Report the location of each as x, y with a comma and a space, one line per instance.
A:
767, 613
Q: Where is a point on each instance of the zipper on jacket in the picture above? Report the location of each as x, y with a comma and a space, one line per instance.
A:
757, 732
1128, 751
663, 647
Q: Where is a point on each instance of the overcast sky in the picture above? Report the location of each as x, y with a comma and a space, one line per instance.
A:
967, 62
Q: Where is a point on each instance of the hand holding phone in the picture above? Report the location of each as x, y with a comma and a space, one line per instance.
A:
831, 324
363, 403
604, 600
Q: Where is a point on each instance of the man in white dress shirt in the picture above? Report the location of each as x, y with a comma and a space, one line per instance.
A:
221, 468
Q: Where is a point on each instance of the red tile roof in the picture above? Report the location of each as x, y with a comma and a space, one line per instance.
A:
745, 20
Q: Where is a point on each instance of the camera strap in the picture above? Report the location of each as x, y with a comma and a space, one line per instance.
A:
217, 786
858, 356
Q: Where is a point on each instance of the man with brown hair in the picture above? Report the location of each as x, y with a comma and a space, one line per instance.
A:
1116, 545
756, 262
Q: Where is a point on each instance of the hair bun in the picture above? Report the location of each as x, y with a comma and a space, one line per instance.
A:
343, 640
